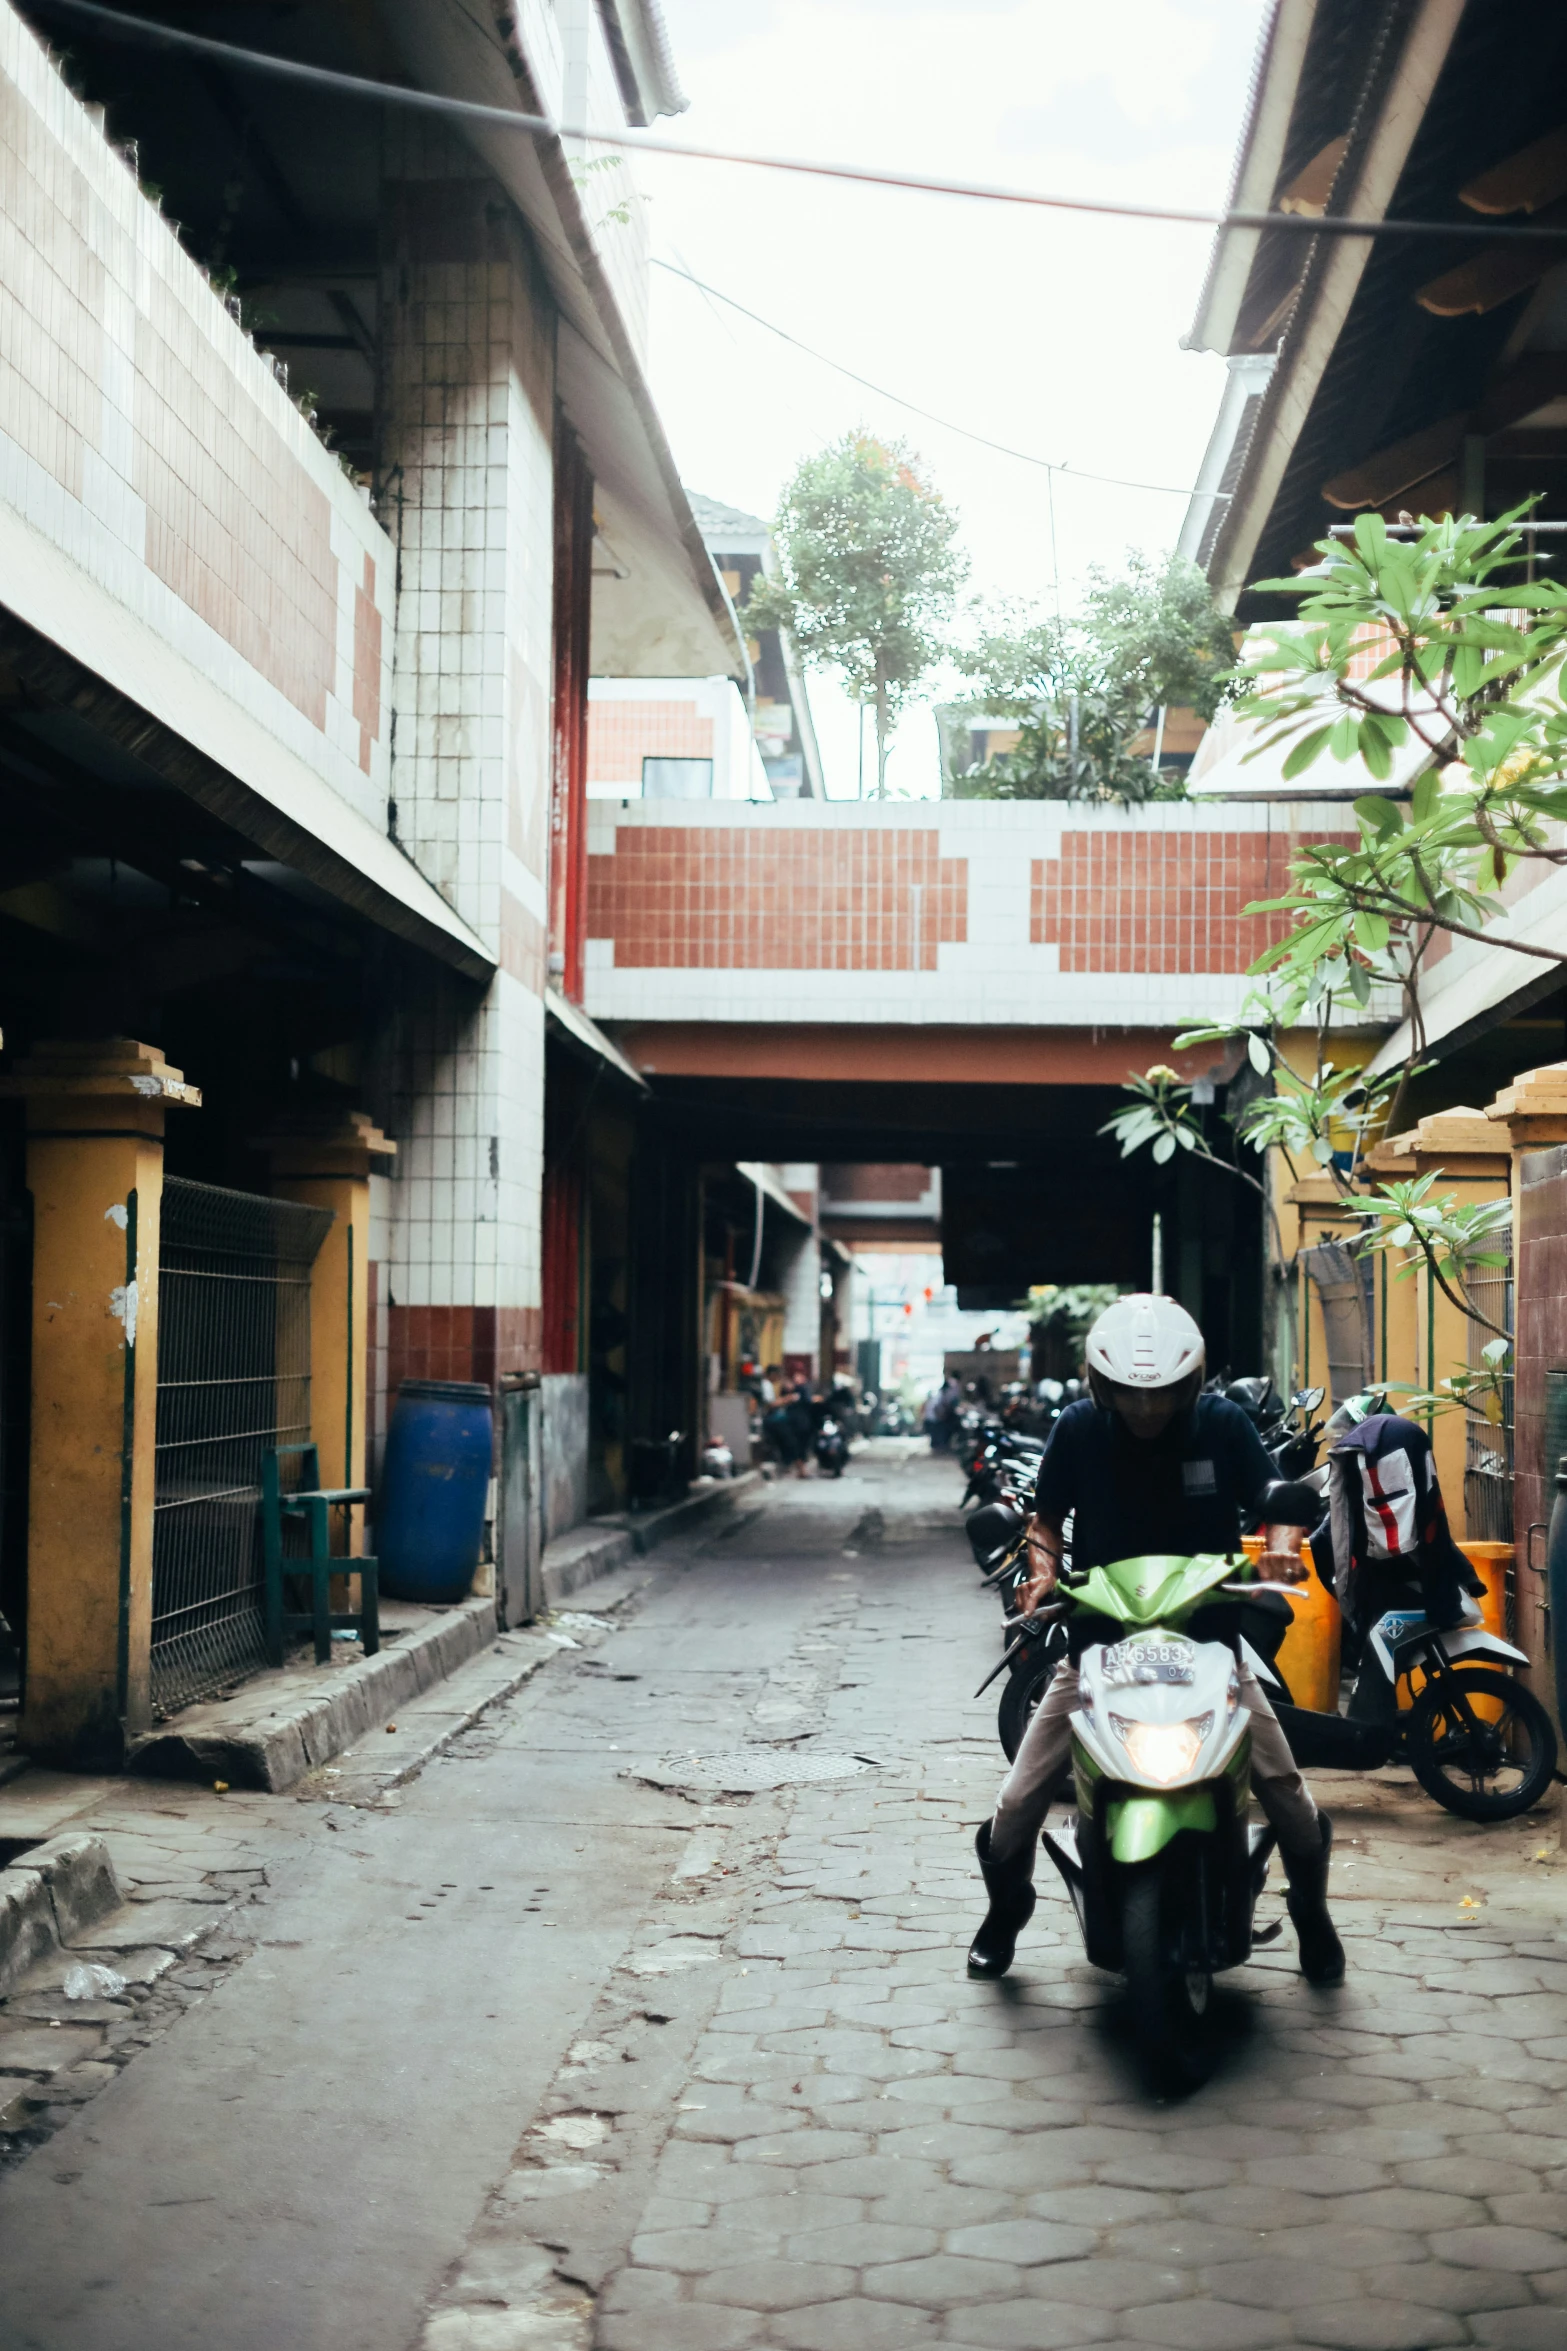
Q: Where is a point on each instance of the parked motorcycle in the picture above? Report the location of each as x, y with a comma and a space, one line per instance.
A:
1288, 1431
1004, 1468
1475, 1738
832, 1447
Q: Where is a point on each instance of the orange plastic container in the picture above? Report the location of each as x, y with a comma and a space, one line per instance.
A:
1309, 1654
1490, 1562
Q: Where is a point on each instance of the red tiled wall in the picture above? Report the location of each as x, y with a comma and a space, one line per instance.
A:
1150, 902
622, 734
231, 521
235, 526
874, 1180
367, 664
460, 1342
674, 897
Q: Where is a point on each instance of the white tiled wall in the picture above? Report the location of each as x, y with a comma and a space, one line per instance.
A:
471, 395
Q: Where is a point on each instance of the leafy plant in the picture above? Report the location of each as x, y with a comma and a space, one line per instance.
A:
1444, 1233
619, 213
1469, 671
868, 573
1427, 641
1082, 690
1162, 1115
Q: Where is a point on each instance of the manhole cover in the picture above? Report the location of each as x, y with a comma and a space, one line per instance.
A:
745, 1771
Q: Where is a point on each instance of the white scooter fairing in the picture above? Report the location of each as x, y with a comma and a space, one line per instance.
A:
1398, 1637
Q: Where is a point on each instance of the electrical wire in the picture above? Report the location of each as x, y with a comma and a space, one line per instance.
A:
144, 31
1023, 456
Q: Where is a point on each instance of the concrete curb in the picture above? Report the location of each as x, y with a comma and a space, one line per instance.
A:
588, 1552
426, 1729
272, 1738
270, 1750
48, 1895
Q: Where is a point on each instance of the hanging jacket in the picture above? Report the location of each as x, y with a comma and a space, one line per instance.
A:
1387, 1524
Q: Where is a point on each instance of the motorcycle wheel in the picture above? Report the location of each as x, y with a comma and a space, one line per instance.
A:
1019, 1698
1495, 1771
1169, 2002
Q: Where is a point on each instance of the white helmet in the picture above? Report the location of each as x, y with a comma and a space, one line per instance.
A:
1145, 1342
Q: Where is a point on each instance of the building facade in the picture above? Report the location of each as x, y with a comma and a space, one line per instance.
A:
315, 420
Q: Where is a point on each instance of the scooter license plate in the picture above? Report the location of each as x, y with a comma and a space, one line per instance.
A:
1137, 1664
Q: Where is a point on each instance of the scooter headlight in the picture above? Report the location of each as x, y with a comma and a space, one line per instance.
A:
1163, 1751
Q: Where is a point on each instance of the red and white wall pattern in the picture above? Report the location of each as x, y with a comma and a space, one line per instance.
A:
1011, 914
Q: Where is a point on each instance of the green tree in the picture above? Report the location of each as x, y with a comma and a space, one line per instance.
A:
868, 573
1466, 663
1082, 690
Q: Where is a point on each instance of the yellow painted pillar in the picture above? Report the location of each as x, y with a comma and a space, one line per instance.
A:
322, 1159
95, 1117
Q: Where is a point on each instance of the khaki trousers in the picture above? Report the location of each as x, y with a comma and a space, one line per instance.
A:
1042, 1761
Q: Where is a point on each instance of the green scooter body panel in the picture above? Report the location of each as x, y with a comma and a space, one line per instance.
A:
1162, 1588
1138, 1827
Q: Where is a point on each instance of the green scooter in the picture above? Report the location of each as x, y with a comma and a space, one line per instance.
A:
1162, 1864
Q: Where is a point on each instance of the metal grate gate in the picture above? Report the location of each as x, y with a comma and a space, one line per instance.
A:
233, 1379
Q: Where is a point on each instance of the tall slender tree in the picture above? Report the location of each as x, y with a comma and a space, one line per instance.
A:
868, 571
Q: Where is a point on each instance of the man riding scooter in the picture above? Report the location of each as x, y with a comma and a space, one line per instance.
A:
1148, 1464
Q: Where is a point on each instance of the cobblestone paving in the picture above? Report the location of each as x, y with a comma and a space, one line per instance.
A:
787, 2120
868, 2151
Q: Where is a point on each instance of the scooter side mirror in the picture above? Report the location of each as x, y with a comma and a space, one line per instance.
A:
1308, 1399
1290, 1502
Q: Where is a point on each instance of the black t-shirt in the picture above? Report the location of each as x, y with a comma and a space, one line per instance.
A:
1181, 1492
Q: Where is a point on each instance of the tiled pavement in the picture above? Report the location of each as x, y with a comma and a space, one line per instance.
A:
786, 2119
868, 2151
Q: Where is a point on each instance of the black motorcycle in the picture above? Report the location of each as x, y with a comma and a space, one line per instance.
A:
832, 1447
1289, 1432
1004, 1467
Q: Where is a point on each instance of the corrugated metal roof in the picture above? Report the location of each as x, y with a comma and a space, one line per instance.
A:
1395, 368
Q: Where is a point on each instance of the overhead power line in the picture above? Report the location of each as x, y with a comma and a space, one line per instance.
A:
1024, 456
145, 31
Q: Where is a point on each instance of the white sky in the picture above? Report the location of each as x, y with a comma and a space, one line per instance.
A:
1052, 333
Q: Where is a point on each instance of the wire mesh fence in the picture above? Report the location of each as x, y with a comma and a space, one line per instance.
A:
1488, 1459
233, 1379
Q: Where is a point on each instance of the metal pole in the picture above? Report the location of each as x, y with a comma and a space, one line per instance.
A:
1158, 740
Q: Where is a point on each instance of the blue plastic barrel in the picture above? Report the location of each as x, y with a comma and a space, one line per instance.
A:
429, 1522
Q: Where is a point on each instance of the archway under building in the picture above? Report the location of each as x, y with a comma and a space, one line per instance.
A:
1017, 1185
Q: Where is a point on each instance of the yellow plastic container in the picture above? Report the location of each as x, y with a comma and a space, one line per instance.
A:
1309, 1654
1490, 1562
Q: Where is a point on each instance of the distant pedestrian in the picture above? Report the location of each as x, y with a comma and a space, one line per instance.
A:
940, 1407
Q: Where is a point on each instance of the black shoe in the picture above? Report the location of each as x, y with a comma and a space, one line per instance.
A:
1011, 1907
1321, 1952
